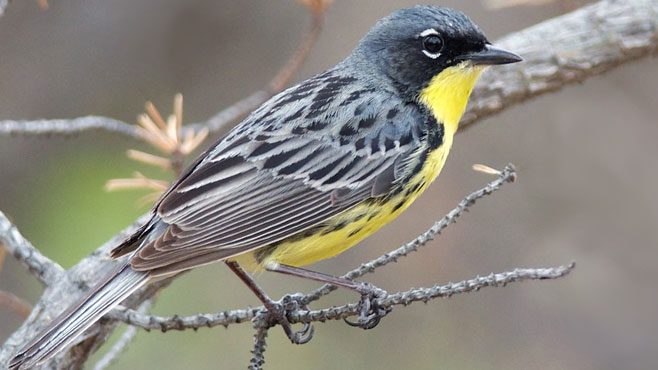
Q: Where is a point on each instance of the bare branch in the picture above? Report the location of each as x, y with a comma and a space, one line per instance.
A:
438, 291
39, 265
567, 50
164, 324
334, 313
258, 352
67, 127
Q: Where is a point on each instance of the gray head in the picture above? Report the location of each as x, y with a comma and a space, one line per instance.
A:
413, 45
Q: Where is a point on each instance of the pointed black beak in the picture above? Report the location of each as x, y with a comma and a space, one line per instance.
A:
491, 55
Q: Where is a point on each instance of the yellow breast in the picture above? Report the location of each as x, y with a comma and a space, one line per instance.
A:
446, 97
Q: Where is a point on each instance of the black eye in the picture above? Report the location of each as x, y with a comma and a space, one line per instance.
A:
432, 44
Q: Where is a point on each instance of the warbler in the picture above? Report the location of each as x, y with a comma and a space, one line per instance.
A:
310, 173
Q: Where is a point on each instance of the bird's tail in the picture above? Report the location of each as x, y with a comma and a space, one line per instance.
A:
75, 320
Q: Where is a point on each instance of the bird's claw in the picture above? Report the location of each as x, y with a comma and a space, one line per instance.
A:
292, 303
370, 311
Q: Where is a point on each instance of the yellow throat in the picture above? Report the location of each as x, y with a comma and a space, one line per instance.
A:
447, 94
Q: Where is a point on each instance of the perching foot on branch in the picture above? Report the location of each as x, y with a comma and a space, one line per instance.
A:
294, 303
277, 310
370, 311
277, 313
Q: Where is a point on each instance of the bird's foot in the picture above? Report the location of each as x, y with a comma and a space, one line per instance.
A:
370, 311
279, 312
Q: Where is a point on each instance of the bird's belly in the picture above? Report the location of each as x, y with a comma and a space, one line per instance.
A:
347, 229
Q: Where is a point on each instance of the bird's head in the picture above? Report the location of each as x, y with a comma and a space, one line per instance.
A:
431, 54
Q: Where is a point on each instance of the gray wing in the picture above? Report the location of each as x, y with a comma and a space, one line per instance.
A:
289, 166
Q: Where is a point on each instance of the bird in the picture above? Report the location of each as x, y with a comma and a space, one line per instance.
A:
307, 175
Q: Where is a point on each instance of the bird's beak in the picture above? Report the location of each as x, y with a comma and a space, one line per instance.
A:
490, 55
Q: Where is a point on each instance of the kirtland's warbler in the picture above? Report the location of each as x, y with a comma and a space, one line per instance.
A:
310, 173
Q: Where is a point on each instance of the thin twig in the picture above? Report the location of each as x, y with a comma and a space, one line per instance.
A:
44, 269
258, 352
438, 291
67, 127
123, 342
404, 298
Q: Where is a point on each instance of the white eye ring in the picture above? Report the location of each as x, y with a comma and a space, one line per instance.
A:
428, 32
430, 55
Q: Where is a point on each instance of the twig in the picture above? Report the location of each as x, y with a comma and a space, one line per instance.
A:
164, 324
258, 352
67, 127
227, 318
438, 291
15, 304
505, 176
231, 114
123, 342
44, 269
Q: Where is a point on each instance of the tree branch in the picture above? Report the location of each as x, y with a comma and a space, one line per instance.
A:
258, 352
438, 291
67, 127
226, 318
567, 50
45, 270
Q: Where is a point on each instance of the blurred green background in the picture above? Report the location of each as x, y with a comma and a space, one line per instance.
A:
586, 192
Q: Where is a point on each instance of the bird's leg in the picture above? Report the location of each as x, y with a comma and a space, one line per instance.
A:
277, 310
370, 311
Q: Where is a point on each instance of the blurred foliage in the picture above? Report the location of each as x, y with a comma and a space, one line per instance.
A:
70, 212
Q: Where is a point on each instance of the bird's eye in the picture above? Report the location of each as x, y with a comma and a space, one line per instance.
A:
432, 44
